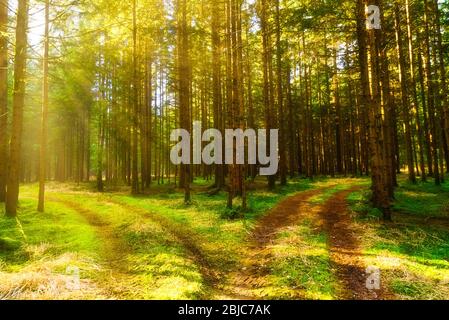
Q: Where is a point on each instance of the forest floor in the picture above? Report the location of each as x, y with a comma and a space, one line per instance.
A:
309, 240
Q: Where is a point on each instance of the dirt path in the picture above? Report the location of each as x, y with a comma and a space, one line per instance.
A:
187, 239
345, 251
344, 247
250, 282
113, 252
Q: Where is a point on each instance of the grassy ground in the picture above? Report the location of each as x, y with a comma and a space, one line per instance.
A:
303, 262
150, 264
158, 265
155, 247
38, 253
413, 251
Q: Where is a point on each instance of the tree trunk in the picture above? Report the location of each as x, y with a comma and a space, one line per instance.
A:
267, 78
415, 104
444, 97
216, 79
44, 129
280, 97
3, 98
404, 81
370, 100
135, 113
428, 71
15, 155
184, 87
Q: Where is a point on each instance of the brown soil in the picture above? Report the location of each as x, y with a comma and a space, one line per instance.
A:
345, 252
251, 280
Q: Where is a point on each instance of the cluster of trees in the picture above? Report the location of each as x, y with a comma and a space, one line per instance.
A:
111, 80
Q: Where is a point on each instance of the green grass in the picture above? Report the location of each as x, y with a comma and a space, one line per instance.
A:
360, 203
59, 230
415, 290
157, 265
336, 186
303, 263
203, 217
413, 257
36, 244
154, 258
422, 199
160, 263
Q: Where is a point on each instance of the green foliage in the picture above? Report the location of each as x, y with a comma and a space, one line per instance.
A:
232, 213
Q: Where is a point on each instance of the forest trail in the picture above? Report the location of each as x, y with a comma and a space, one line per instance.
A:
113, 251
343, 246
251, 280
184, 237
345, 251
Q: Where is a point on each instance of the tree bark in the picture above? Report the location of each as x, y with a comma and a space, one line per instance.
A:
15, 155
370, 100
216, 79
184, 87
135, 113
44, 126
3, 98
428, 71
280, 98
404, 81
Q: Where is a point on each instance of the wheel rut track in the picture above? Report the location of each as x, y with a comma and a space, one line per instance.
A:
113, 252
184, 237
255, 267
345, 249
343, 245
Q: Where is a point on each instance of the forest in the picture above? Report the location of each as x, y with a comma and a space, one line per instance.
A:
352, 97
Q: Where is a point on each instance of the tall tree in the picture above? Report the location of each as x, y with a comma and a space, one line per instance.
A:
368, 49
267, 75
3, 97
431, 92
135, 112
216, 79
413, 83
404, 81
444, 92
44, 125
280, 98
15, 157
184, 86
